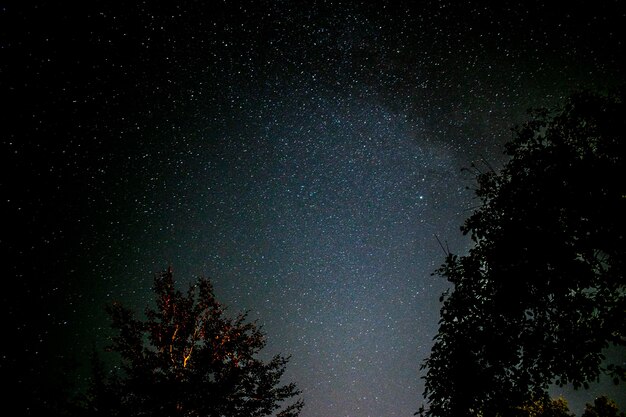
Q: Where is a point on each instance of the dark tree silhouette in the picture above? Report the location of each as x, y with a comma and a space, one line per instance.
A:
602, 407
188, 359
542, 292
545, 408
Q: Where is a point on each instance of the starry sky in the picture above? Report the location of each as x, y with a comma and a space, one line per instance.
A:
306, 156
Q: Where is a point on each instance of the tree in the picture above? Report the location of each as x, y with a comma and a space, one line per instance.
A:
188, 359
542, 292
602, 407
546, 408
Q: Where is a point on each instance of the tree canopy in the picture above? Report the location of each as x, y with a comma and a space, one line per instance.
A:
545, 408
541, 294
187, 358
602, 407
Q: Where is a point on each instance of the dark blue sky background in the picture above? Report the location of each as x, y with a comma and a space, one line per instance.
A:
301, 154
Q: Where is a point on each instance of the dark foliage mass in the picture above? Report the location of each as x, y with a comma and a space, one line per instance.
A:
544, 407
541, 294
602, 407
188, 359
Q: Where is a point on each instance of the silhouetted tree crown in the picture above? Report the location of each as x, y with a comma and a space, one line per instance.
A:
188, 359
545, 408
602, 407
542, 292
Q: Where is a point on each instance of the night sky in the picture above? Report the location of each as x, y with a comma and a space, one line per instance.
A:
303, 155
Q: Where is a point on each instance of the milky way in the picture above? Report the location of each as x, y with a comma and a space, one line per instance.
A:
305, 157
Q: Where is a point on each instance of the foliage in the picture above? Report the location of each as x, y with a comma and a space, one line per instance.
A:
545, 408
602, 407
188, 359
542, 292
